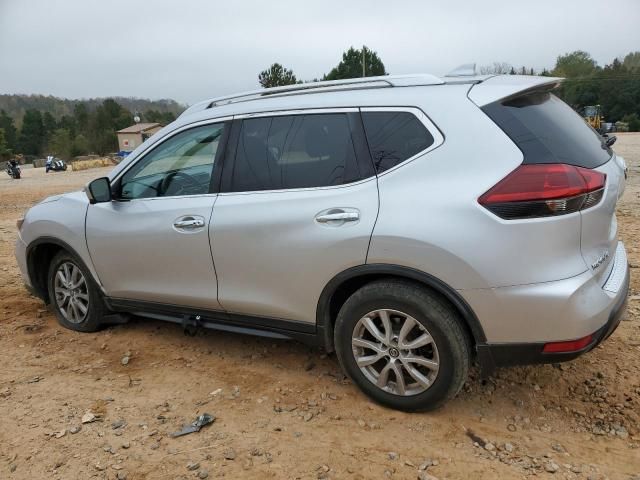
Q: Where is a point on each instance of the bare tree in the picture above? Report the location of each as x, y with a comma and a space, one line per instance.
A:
498, 68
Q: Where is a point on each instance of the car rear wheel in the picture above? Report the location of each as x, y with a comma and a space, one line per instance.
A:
74, 297
402, 345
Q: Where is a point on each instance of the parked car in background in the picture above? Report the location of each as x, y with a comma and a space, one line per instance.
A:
412, 224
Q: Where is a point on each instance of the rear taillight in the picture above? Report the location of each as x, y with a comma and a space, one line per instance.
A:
543, 190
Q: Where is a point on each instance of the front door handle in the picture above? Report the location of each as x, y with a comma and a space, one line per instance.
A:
333, 217
338, 216
190, 222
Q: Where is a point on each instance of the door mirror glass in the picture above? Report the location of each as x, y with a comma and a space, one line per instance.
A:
99, 190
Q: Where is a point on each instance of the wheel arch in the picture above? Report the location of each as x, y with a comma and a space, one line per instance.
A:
39, 254
345, 283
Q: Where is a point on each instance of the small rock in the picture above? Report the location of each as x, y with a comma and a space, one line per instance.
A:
61, 433
426, 476
193, 466
75, 429
126, 445
89, 417
230, 454
118, 424
125, 360
392, 455
576, 469
256, 452
511, 427
203, 474
551, 467
508, 447
426, 464
307, 416
99, 467
489, 447
13, 467
121, 476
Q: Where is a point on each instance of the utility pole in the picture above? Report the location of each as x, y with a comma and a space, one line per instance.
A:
364, 73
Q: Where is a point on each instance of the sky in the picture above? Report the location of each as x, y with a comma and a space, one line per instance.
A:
190, 50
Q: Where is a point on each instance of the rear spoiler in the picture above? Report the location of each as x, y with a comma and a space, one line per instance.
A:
505, 86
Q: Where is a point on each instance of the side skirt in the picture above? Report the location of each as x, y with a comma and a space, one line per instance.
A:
216, 320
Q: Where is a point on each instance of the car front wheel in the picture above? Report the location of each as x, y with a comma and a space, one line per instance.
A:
73, 295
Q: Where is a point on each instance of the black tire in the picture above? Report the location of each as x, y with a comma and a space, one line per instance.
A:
16, 174
441, 321
92, 320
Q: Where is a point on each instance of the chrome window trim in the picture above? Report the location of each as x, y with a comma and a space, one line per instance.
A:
438, 137
160, 141
296, 111
302, 189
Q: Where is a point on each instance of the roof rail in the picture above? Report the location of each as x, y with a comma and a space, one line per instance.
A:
313, 87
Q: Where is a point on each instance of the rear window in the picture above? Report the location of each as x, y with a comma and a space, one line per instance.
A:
547, 130
394, 137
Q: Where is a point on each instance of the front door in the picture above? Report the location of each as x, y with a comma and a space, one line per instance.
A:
298, 206
152, 242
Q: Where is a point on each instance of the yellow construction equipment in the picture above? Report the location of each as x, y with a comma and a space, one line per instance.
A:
593, 116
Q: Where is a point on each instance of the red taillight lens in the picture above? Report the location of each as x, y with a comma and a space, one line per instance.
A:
539, 190
566, 347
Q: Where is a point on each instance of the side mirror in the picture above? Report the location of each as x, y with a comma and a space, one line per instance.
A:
610, 140
99, 190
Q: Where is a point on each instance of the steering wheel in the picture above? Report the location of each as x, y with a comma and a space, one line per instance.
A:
169, 180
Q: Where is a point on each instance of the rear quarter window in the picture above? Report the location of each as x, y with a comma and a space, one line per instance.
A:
547, 130
394, 137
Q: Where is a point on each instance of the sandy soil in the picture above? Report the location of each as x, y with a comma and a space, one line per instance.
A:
284, 410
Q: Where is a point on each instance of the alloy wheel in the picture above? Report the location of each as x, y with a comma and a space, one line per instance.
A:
72, 295
395, 352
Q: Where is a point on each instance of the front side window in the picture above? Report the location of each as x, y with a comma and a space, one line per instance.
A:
394, 137
294, 151
182, 165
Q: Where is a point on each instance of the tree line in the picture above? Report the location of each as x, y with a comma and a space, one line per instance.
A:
615, 86
86, 128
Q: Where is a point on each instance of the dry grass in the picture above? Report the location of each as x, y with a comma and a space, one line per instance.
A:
87, 164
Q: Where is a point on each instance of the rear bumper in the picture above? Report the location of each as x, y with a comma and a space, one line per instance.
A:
614, 291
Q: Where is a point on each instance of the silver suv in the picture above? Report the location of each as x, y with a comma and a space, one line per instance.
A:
411, 224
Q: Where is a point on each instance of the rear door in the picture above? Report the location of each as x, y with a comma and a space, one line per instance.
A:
297, 206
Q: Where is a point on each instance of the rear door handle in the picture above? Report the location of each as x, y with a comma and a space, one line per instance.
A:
189, 222
338, 216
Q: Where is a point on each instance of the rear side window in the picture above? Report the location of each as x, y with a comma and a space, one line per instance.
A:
547, 130
295, 151
394, 137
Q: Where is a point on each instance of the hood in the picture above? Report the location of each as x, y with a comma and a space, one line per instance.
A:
79, 195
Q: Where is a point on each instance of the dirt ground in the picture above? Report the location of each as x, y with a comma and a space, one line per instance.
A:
284, 410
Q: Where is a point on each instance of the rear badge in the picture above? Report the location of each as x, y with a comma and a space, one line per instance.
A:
601, 259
